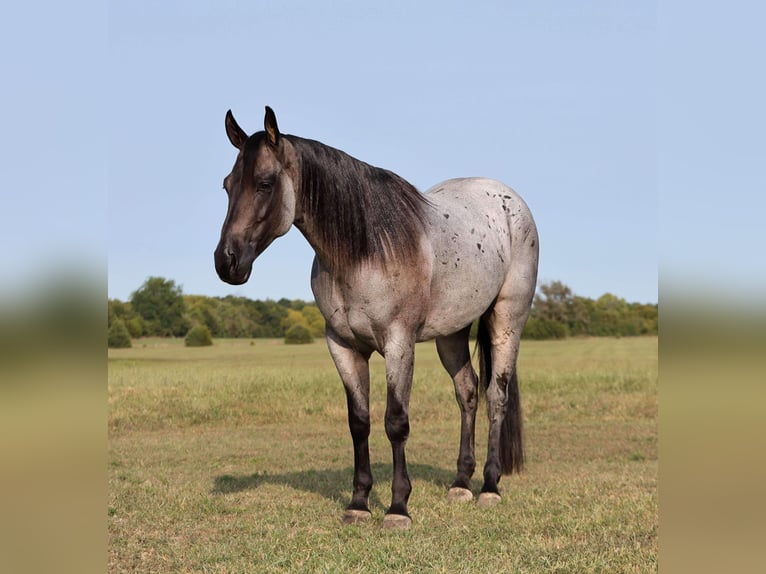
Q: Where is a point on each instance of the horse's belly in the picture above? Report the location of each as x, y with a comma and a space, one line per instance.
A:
461, 294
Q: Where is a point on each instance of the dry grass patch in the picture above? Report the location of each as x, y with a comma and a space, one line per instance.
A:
237, 458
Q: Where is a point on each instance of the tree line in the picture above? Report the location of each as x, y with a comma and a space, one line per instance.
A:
558, 313
159, 308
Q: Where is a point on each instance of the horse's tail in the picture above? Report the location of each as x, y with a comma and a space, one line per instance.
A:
511, 436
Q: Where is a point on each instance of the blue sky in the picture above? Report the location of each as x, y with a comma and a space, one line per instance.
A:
620, 123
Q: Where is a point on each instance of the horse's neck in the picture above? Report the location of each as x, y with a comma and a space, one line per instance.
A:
352, 212
308, 229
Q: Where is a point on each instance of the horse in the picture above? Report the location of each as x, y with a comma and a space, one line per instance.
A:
394, 267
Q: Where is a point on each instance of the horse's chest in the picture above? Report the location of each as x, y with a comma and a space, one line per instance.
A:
365, 308
358, 322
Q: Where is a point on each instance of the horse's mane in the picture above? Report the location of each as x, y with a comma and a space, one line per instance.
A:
360, 212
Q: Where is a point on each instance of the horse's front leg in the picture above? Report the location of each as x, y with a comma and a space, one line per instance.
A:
400, 358
354, 371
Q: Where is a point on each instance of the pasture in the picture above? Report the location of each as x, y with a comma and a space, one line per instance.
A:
238, 458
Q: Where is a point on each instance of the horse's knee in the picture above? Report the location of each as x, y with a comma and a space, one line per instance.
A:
359, 424
397, 424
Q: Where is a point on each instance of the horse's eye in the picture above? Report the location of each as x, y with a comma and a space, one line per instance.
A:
264, 186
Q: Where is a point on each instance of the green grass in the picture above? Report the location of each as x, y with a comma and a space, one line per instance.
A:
237, 458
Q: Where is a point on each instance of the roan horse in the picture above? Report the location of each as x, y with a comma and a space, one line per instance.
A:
394, 267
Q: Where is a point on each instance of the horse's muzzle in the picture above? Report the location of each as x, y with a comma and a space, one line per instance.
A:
234, 262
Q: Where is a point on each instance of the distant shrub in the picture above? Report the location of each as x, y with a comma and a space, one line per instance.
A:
118, 336
198, 336
298, 335
544, 329
135, 326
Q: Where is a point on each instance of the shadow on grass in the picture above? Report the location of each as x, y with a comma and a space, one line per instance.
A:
335, 484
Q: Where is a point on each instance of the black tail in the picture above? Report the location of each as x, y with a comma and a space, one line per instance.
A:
511, 435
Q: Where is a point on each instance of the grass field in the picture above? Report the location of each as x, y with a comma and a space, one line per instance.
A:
237, 458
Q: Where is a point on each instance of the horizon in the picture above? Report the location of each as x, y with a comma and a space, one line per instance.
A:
311, 300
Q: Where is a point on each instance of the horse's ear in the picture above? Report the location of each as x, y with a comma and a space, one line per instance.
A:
237, 135
270, 125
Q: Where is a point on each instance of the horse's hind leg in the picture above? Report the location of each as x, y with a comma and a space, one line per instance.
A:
455, 356
354, 371
504, 324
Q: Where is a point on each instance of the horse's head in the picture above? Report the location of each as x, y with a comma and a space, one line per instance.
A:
261, 197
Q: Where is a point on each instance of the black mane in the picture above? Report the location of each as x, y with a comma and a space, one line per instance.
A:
359, 212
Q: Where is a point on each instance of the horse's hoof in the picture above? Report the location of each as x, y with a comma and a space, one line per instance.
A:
353, 516
459, 494
396, 522
488, 499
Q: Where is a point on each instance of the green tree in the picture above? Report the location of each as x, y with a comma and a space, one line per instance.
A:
647, 316
578, 315
272, 314
234, 321
294, 318
610, 317
314, 320
553, 301
554, 304
136, 326
160, 303
537, 328
204, 310
116, 309
557, 312
118, 336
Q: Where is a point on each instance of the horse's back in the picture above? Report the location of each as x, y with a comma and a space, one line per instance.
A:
489, 211
480, 197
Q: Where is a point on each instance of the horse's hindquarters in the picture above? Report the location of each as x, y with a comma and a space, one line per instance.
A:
474, 227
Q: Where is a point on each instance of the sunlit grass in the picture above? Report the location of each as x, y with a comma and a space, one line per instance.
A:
237, 458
